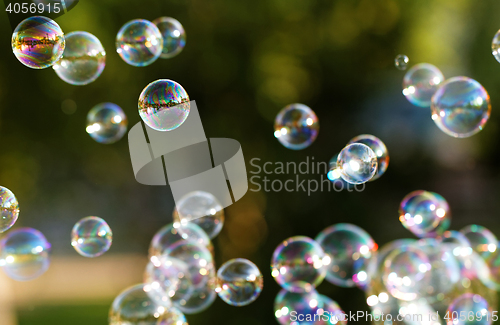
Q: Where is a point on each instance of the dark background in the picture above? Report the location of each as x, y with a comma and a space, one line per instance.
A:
243, 62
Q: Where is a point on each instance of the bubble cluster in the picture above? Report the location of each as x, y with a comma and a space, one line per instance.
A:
357, 163
106, 123
296, 126
91, 237
239, 282
420, 83
401, 62
174, 36
164, 105
9, 209
380, 150
139, 42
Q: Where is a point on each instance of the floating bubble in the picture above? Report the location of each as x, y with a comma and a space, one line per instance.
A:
482, 241
296, 126
420, 83
164, 105
38, 42
378, 148
173, 235
426, 214
91, 237
9, 209
106, 123
349, 249
172, 316
139, 42
83, 60
461, 107
357, 163
401, 62
203, 209
298, 264
475, 308
330, 313
495, 46
453, 239
289, 306
239, 282
24, 254
174, 36
201, 298
387, 249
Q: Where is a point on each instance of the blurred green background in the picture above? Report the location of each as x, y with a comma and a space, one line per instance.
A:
243, 62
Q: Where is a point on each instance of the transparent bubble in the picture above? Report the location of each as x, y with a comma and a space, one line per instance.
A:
426, 214
453, 239
482, 241
298, 264
387, 249
475, 308
306, 304
174, 36
172, 316
296, 126
9, 209
139, 42
175, 234
203, 209
334, 176
38, 42
201, 298
24, 254
91, 237
133, 306
401, 62
461, 107
357, 163
164, 105
239, 282
378, 148
495, 46
330, 313
420, 83
106, 123
83, 60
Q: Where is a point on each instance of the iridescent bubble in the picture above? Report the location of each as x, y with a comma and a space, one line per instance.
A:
289, 306
106, 123
387, 249
38, 42
298, 264
173, 235
91, 237
172, 316
426, 214
357, 163
334, 176
203, 209
239, 282
330, 313
461, 107
495, 46
296, 126
378, 148
420, 83
174, 36
201, 298
482, 241
83, 60
453, 239
24, 254
139, 42
9, 209
476, 309
349, 249
401, 62
164, 105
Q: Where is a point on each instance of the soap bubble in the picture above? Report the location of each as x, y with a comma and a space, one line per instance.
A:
453, 239
308, 305
164, 105
172, 316
461, 107
139, 42
24, 254
239, 282
201, 298
298, 264
378, 148
357, 163
83, 60
401, 62
426, 214
475, 308
495, 46
38, 42
330, 313
9, 209
174, 36
349, 249
420, 83
91, 237
482, 241
296, 126
203, 209
175, 234
106, 123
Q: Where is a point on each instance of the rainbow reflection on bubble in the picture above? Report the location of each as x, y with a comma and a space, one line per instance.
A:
330, 313
482, 241
9, 209
91, 237
378, 148
174, 36
308, 306
357, 163
420, 83
106, 123
296, 126
476, 309
239, 282
139, 42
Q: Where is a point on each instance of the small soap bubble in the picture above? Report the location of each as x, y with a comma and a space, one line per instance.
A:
83, 60
164, 105
420, 83
306, 304
495, 46
401, 62
378, 148
38, 42
9, 209
139, 42
461, 107
24, 254
174, 36
298, 264
106, 123
475, 307
239, 282
175, 234
482, 241
357, 163
296, 126
91, 237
